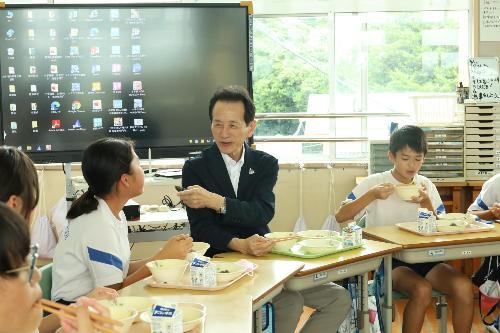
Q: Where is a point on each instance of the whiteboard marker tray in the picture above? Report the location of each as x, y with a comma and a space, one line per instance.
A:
472, 227
297, 251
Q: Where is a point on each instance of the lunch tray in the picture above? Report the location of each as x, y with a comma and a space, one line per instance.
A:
185, 282
472, 227
297, 251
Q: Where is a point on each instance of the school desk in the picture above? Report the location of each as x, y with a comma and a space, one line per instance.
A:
417, 249
336, 267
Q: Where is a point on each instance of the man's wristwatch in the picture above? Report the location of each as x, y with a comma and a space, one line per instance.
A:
222, 209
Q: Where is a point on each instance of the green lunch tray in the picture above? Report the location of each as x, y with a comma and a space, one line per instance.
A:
296, 251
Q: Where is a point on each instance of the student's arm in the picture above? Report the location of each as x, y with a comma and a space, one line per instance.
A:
349, 210
493, 213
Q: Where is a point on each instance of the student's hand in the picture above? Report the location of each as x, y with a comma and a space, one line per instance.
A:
100, 293
495, 210
423, 197
197, 197
176, 247
382, 191
254, 245
83, 323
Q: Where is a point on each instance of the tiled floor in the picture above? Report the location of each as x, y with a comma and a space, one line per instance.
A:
430, 324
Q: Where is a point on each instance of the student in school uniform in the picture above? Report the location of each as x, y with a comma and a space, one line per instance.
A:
19, 190
94, 249
375, 198
487, 204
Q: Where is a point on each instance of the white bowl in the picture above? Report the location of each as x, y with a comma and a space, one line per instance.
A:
193, 315
167, 270
319, 246
124, 314
318, 234
457, 216
406, 192
228, 271
282, 246
138, 303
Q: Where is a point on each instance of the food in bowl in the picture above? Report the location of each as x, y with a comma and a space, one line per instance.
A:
138, 303
167, 270
457, 216
193, 315
125, 315
318, 234
282, 246
407, 191
319, 246
228, 271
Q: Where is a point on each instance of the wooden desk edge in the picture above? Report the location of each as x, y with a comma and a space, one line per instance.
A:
281, 283
348, 261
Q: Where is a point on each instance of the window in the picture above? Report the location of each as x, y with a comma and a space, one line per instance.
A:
388, 66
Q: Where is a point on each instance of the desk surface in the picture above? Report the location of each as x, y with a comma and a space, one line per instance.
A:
410, 240
225, 313
312, 266
268, 276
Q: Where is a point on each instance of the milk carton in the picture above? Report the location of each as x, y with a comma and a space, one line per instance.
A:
203, 272
166, 318
426, 221
352, 235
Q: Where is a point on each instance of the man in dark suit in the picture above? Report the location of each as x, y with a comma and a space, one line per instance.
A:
230, 202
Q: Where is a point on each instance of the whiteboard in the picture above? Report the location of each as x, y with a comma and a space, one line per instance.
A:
483, 79
489, 20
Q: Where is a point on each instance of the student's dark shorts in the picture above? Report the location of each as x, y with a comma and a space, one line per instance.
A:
421, 269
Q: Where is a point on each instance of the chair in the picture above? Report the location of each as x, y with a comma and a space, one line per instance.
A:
46, 280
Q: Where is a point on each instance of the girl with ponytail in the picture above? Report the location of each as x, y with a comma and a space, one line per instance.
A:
94, 249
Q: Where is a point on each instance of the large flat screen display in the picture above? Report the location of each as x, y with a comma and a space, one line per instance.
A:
71, 74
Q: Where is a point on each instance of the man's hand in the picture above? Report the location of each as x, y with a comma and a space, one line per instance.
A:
176, 247
382, 191
254, 245
197, 197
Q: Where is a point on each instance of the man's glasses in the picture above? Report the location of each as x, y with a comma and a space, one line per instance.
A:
31, 264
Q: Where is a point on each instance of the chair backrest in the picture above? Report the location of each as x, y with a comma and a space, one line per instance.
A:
46, 280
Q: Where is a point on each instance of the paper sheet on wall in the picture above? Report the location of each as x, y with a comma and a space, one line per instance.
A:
489, 20
484, 80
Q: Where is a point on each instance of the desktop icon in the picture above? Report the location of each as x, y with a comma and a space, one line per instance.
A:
75, 69
77, 124
136, 49
9, 33
31, 33
32, 69
53, 51
54, 87
52, 32
31, 51
52, 14
97, 122
96, 86
116, 68
135, 32
48, 147
139, 122
73, 32
76, 105
53, 69
137, 103
34, 124
33, 106
134, 13
10, 51
94, 32
97, 104
93, 14
136, 85
96, 69
56, 123
118, 121
12, 107
55, 106
115, 49
10, 14
11, 70
117, 86
73, 51
117, 103
136, 68
73, 14
115, 32
94, 51
29, 14
12, 88
33, 88
13, 125
75, 86
114, 14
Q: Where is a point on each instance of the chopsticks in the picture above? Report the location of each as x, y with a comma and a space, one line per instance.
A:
276, 240
70, 312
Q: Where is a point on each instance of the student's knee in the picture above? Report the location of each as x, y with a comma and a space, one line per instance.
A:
290, 303
462, 290
421, 292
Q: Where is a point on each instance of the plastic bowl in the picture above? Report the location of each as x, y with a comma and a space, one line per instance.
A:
282, 246
318, 234
457, 216
193, 315
451, 225
228, 271
406, 192
319, 246
138, 303
167, 270
124, 314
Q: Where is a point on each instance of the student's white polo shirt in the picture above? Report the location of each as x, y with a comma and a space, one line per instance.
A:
93, 251
490, 194
393, 209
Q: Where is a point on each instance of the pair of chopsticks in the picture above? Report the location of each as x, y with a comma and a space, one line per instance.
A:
70, 312
276, 240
